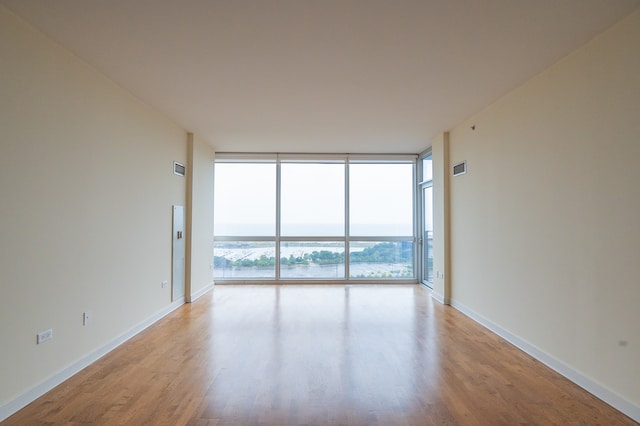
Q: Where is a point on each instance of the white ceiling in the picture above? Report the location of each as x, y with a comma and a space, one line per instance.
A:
357, 76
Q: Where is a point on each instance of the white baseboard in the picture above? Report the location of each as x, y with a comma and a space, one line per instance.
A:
199, 293
616, 401
439, 298
40, 389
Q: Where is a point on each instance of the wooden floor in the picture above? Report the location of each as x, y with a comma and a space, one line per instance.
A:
316, 355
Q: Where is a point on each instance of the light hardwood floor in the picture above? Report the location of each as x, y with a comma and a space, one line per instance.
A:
315, 355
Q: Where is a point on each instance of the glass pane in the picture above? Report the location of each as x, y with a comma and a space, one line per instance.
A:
310, 259
427, 168
312, 199
244, 259
244, 199
381, 199
428, 234
383, 259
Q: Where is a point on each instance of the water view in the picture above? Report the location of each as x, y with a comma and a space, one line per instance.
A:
313, 260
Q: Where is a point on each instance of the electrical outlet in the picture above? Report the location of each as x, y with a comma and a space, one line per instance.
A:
164, 284
86, 318
44, 336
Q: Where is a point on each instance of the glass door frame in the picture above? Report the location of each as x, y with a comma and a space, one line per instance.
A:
423, 182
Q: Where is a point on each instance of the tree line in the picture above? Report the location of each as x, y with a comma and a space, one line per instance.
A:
386, 252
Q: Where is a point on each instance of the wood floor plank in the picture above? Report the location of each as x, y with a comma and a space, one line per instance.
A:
317, 355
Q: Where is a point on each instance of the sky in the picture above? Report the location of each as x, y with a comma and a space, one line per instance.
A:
313, 199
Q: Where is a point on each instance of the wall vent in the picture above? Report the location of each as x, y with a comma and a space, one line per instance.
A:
178, 168
460, 168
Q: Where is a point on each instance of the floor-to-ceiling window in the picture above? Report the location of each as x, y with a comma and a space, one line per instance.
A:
301, 217
245, 220
312, 220
381, 220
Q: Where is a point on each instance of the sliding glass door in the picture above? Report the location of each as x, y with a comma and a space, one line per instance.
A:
314, 218
426, 228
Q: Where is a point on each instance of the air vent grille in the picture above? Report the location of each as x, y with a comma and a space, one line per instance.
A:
460, 168
178, 168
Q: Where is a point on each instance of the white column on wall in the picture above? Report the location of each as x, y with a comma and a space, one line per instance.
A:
199, 223
441, 237
188, 225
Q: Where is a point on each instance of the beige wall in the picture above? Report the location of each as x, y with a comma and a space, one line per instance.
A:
545, 232
86, 189
200, 222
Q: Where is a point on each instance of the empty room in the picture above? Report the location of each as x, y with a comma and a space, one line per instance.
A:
356, 212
